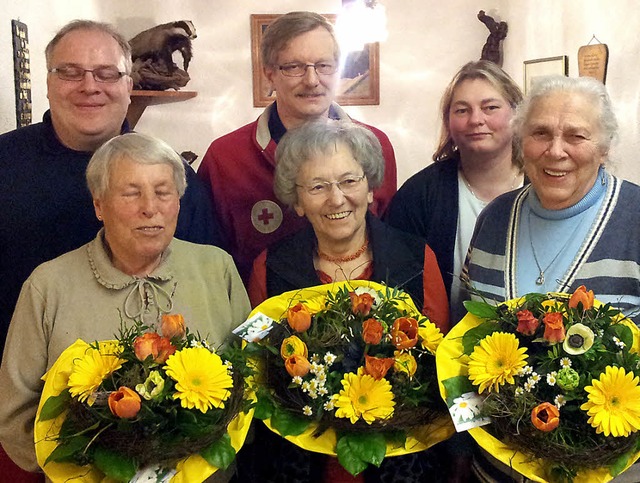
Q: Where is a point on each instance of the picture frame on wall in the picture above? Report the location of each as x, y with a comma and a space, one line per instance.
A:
359, 83
540, 67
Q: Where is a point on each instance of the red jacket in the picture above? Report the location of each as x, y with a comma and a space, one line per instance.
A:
239, 169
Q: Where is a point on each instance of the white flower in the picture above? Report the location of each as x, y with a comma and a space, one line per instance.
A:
297, 380
551, 378
525, 370
560, 401
316, 368
618, 342
314, 359
534, 378
307, 411
329, 358
519, 391
565, 362
463, 409
306, 386
528, 386
329, 405
323, 391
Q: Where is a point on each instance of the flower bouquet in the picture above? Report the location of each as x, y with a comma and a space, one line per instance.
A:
557, 375
348, 369
143, 407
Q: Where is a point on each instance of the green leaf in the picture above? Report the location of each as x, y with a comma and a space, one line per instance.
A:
481, 309
114, 465
220, 454
356, 450
65, 452
619, 464
287, 423
456, 387
54, 405
264, 407
622, 332
472, 337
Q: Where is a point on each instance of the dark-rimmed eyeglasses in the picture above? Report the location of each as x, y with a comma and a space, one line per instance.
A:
76, 74
347, 185
298, 69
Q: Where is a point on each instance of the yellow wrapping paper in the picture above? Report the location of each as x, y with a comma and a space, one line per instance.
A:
451, 362
190, 470
418, 439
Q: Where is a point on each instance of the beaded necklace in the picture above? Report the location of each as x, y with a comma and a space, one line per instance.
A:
348, 258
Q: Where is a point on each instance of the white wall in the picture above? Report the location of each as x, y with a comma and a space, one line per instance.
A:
429, 40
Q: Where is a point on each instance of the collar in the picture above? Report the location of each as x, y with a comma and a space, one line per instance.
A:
152, 290
52, 144
595, 194
276, 127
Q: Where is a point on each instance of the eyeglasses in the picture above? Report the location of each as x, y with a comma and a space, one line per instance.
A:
347, 185
298, 69
76, 74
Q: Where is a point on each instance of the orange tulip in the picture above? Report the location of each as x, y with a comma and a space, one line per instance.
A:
545, 417
527, 323
404, 333
124, 403
581, 295
297, 365
173, 326
151, 344
146, 345
361, 304
377, 367
372, 331
299, 317
165, 350
553, 327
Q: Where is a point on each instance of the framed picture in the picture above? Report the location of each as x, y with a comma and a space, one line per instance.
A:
359, 83
548, 66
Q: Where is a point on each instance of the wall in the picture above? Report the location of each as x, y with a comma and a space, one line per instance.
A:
428, 42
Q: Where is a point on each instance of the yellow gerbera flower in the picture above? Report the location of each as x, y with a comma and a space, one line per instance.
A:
495, 361
430, 336
88, 372
613, 404
202, 380
364, 397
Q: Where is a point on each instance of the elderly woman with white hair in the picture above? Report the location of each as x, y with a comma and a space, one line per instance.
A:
327, 172
576, 224
134, 270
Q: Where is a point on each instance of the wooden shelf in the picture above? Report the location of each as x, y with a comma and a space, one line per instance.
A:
141, 99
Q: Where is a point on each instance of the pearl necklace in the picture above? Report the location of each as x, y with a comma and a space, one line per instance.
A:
348, 258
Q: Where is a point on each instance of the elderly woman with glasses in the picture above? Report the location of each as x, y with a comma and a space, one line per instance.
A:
327, 173
134, 270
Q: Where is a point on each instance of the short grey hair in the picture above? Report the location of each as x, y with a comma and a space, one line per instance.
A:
588, 87
90, 25
299, 145
139, 148
289, 26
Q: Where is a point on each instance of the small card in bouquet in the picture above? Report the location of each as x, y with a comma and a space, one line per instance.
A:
255, 328
465, 412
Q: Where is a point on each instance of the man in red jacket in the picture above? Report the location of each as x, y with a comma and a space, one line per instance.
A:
300, 56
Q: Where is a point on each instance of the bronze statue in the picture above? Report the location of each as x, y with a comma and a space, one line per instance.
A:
492, 49
152, 55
